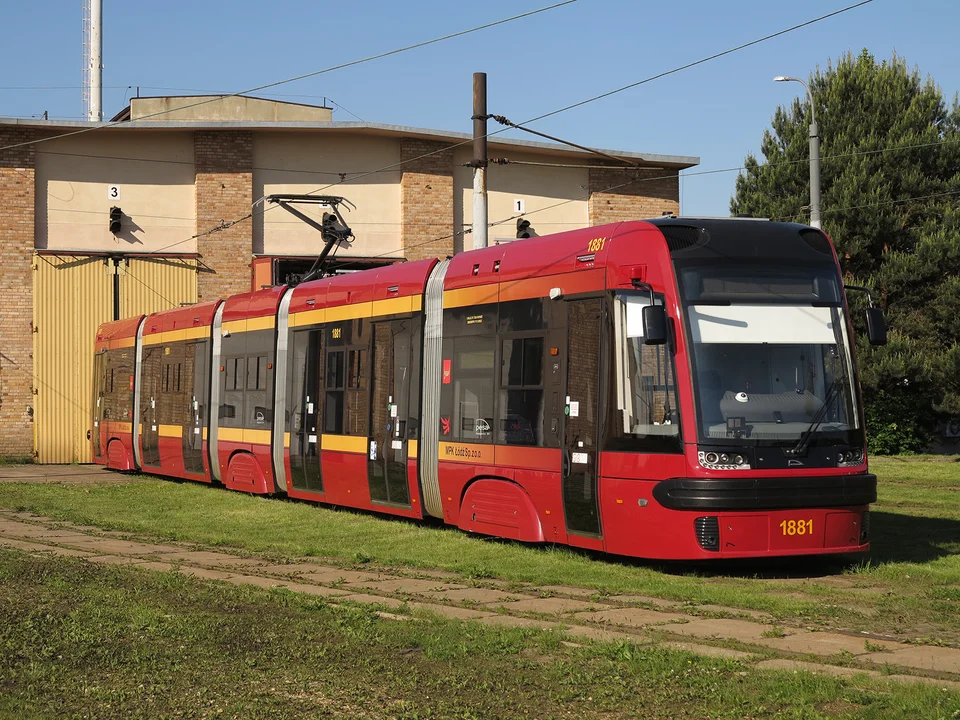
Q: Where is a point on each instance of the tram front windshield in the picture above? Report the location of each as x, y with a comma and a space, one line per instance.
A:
771, 356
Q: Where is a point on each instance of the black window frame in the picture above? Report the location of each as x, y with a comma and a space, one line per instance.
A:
532, 344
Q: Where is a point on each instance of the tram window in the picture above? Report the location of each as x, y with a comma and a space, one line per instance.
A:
234, 375
521, 395
645, 414
257, 373
357, 404
333, 403
257, 413
233, 370
358, 369
525, 315
413, 426
473, 389
117, 388
171, 377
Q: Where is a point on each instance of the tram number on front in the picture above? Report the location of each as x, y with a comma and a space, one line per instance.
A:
596, 245
796, 527
336, 333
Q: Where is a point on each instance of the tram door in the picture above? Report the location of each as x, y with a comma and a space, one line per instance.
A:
387, 459
581, 443
149, 399
99, 386
196, 376
303, 397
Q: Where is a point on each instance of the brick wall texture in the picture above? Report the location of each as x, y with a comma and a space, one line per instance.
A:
224, 193
426, 199
17, 183
618, 195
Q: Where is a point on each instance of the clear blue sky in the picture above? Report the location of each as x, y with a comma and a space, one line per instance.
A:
716, 111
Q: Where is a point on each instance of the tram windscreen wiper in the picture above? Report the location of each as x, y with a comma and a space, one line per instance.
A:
817, 420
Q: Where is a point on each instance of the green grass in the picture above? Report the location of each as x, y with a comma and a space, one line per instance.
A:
85, 640
906, 586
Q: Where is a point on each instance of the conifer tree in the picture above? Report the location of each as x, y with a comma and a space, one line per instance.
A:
890, 200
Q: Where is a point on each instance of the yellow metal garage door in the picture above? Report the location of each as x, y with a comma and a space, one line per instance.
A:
71, 296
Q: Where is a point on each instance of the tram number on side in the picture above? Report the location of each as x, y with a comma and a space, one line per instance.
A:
796, 527
596, 245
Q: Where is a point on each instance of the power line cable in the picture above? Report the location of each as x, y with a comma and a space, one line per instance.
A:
225, 225
698, 62
590, 100
618, 90
359, 173
900, 201
344, 109
514, 217
511, 218
682, 174
156, 292
341, 66
190, 163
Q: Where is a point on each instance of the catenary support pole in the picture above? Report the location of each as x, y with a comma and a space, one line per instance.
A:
116, 287
814, 173
479, 160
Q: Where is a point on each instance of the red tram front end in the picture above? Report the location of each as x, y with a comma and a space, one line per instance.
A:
744, 431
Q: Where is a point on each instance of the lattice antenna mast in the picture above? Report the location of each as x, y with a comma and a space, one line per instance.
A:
92, 59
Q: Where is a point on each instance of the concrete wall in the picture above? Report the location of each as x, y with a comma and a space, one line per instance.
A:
301, 163
154, 172
225, 109
556, 198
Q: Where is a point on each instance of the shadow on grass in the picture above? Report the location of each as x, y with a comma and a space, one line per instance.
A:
895, 538
909, 538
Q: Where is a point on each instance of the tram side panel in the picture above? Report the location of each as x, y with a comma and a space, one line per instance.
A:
243, 427
112, 422
501, 417
353, 392
115, 431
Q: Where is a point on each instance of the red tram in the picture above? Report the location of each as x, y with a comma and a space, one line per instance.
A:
676, 388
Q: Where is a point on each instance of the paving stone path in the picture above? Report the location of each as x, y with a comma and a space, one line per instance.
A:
748, 636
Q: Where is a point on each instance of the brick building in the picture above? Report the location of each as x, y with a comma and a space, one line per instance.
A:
187, 173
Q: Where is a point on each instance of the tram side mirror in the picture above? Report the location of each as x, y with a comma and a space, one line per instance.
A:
654, 325
876, 326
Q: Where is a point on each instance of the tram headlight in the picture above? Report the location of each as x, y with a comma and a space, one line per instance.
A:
849, 457
713, 460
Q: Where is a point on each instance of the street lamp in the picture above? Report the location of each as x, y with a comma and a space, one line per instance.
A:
814, 154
